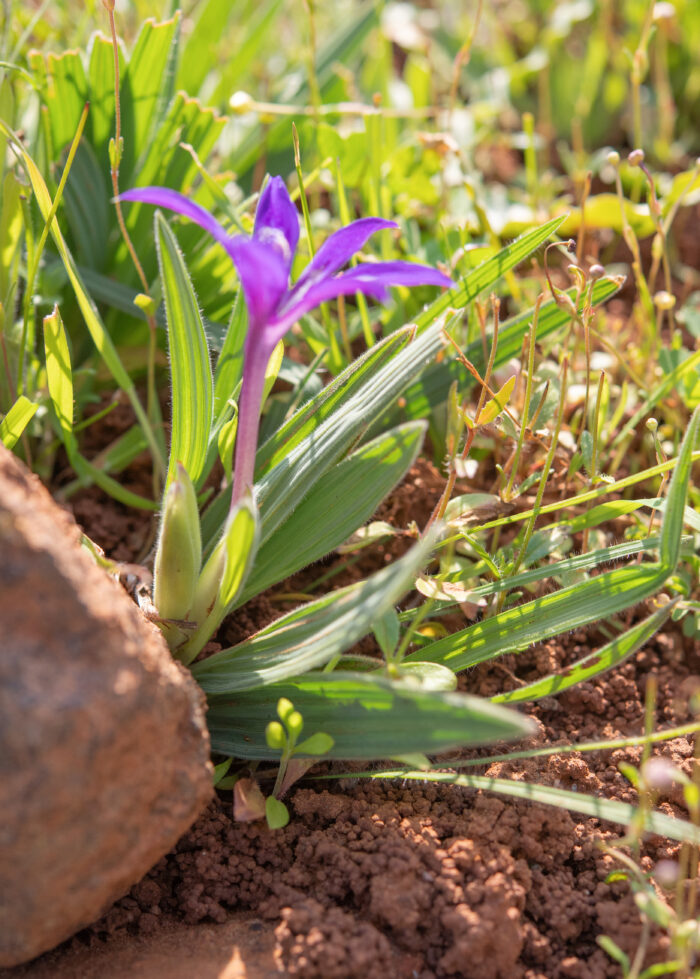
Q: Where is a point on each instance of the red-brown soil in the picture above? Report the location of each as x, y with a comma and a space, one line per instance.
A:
383, 879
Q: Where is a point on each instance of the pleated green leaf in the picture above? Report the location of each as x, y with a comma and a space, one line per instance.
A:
143, 86
190, 369
241, 548
573, 565
312, 635
340, 502
329, 400
367, 717
570, 608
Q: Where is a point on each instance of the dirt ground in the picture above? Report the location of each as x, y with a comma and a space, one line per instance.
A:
374, 879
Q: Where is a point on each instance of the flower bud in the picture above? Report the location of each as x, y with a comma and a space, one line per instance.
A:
241, 102
596, 272
635, 158
613, 158
275, 736
179, 551
284, 709
660, 774
664, 300
666, 874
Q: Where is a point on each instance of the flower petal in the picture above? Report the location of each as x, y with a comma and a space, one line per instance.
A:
264, 275
164, 197
341, 246
371, 279
399, 274
277, 220
262, 271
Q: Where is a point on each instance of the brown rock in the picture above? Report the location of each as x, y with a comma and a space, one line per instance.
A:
104, 754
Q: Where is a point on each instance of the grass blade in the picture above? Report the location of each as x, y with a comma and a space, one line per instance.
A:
587, 805
486, 275
96, 327
16, 420
597, 662
672, 525
59, 373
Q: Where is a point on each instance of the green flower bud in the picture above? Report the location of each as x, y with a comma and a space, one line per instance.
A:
179, 552
295, 723
284, 708
275, 736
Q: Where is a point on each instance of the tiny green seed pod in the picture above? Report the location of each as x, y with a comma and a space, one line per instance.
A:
179, 552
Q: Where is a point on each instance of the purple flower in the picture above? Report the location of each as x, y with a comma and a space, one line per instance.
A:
263, 263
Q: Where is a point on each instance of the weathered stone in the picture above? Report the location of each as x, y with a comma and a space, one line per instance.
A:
104, 754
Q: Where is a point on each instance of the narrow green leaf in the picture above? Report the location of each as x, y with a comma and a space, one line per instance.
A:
599, 491
16, 420
229, 365
574, 565
222, 577
387, 630
592, 665
430, 391
190, 370
179, 552
486, 275
672, 526
89, 473
59, 372
312, 635
587, 805
493, 408
241, 547
367, 717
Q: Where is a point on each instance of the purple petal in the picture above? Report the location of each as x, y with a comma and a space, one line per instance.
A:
399, 274
369, 279
277, 220
164, 197
264, 275
341, 246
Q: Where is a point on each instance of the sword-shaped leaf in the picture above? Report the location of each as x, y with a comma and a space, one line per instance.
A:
367, 717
